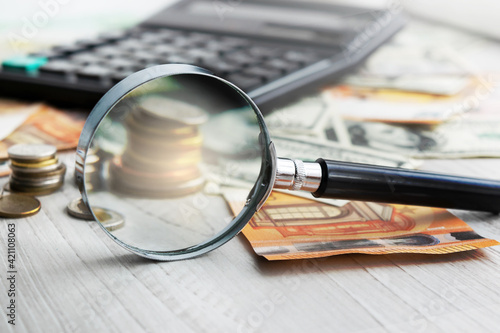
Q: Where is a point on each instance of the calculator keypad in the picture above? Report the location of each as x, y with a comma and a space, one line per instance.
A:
112, 56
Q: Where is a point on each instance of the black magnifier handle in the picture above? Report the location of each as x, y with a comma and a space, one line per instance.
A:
354, 181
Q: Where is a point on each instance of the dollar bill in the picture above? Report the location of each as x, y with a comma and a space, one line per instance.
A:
310, 149
462, 138
412, 52
311, 117
289, 227
306, 117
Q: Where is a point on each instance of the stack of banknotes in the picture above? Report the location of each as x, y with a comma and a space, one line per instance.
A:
416, 98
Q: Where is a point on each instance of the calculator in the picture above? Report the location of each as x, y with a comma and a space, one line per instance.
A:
274, 50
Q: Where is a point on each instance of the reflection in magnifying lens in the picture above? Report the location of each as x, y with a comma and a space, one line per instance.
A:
169, 146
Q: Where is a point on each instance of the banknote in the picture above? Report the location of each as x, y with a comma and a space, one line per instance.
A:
289, 227
13, 114
466, 137
437, 84
306, 117
398, 106
47, 125
412, 52
310, 149
312, 116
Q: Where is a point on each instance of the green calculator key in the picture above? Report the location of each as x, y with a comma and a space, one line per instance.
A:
26, 63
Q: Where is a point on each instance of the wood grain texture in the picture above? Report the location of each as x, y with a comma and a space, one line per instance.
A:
74, 278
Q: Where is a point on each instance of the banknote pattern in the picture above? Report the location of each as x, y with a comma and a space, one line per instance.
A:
289, 227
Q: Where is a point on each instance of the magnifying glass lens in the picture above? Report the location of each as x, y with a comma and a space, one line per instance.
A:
166, 151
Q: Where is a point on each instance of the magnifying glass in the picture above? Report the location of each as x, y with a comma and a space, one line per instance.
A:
172, 139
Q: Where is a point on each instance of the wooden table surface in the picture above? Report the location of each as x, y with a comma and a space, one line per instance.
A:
71, 277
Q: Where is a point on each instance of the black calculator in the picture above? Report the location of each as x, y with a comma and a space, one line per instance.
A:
273, 50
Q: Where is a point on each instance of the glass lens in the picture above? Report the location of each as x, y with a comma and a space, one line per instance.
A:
163, 157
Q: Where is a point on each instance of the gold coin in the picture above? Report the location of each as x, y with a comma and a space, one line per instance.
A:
192, 156
148, 182
158, 107
162, 129
26, 164
17, 206
60, 171
36, 182
35, 170
78, 209
109, 219
163, 154
139, 116
131, 162
178, 144
34, 191
186, 188
182, 174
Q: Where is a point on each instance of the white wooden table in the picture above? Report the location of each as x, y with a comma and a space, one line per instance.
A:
71, 277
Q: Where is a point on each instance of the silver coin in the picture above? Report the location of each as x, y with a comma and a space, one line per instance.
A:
78, 209
59, 172
91, 159
166, 108
109, 219
31, 151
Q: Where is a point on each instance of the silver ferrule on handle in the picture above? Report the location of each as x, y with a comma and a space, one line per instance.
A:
296, 175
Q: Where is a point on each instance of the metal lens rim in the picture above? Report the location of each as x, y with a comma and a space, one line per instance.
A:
260, 191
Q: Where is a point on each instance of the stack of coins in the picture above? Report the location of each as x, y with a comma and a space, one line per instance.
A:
36, 170
163, 150
93, 167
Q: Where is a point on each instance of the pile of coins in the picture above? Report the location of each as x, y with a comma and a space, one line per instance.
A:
93, 168
36, 170
163, 150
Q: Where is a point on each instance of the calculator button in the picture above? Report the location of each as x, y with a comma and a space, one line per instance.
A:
180, 59
264, 73
144, 56
203, 56
129, 45
93, 72
221, 68
120, 63
232, 42
68, 49
241, 58
58, 67
117, 76
264, 52
165, 49
304, 58
281, 65
85, 58
25, 63
243, 81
